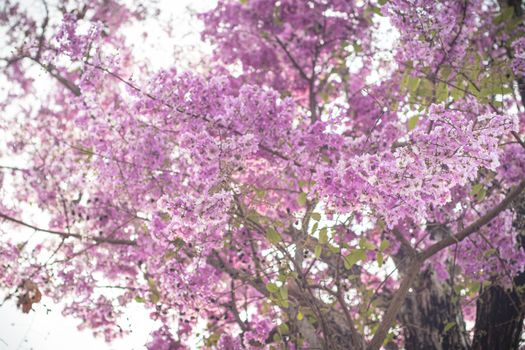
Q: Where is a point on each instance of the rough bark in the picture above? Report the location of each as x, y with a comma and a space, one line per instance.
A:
499, 320
342, 338
427, 311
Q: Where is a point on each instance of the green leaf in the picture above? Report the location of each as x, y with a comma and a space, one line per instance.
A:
283, 291
425, 88
444, 72
505, 90
412, 122
300, 315
325, 96
477, 188
413, 83
504, 16
354, 256
272, 287
490, 252
178, 242
513, 23
213, 339
154, 297
384, 245
479, 191
302, 199
379, 258
253, 216
139, 299
376, 10
170, 254
323, 236
473, 288
334, 249
316, 216
314, 228
273, 236
366, 245
458, 91
441, 92
473, 90
283, 329
404, 81
317, 251
448, 327
390, 336
165, 217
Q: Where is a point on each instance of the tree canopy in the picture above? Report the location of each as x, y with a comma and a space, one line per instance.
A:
336, 174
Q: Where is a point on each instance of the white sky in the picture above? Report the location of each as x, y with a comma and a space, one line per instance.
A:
46, 328
40, 330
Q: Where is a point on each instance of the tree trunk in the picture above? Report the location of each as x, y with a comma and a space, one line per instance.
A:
499, 320
432, 318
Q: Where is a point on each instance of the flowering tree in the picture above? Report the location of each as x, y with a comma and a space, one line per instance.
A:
307, 188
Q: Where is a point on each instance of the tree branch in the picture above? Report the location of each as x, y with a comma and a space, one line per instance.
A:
54, 73
292, 59
395, 305
216, 261
485, 219
107, 240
